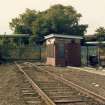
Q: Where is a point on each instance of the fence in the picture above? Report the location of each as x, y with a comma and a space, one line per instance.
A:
24, 53
20, 50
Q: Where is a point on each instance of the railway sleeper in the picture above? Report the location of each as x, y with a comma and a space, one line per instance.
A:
51, 88
60, 92
27, 91
69, 98
50, 84
57, 90
68, 101
63, 96
36, 102
32, 98
72, 103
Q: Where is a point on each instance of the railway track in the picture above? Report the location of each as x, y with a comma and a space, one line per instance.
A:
52, 90
28, 93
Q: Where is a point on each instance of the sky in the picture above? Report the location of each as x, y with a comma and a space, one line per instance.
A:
93, 11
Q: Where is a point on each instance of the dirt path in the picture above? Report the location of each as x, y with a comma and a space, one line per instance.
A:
9, 86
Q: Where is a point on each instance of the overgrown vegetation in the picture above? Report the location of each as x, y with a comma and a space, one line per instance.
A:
57, 19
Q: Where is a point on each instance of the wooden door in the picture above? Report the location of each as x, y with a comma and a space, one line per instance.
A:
73, 54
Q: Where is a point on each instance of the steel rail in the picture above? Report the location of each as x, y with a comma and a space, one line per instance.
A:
85, 91
44, 97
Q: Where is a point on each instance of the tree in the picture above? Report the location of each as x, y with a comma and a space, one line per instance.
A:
100, 32
23, 24
57, 19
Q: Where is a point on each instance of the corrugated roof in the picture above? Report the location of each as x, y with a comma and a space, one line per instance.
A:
95, 42
63, 36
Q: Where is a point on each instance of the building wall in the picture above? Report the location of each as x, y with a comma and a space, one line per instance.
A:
50, 61
50, 52
86, 52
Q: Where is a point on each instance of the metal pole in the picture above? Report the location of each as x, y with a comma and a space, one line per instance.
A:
40, 51
87, 56
99, 63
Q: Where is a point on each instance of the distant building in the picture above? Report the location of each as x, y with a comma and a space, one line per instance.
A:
90, 53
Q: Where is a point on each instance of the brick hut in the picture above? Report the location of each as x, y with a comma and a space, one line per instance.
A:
63, 50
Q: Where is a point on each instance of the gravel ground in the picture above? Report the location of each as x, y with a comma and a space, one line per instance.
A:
10, 86
10, 82
93, 82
